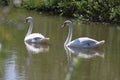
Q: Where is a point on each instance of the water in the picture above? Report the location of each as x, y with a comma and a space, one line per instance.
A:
20, 61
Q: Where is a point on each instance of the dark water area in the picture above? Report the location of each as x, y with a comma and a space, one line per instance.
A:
20, 61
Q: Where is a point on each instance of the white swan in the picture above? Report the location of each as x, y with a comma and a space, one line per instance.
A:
83, 42
34, 37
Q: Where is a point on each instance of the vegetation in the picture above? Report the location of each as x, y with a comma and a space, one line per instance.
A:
90, 10
4, 2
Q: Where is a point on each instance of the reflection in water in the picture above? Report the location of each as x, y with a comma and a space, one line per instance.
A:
36, 48
10, 70
81, 53
0, 46
85, 53
4, 11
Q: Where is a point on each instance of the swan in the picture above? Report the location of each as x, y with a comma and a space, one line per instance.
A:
34, 37
83, 42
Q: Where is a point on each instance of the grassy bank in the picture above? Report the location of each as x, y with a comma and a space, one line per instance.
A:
90, 10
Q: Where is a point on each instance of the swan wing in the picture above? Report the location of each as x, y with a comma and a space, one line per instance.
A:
87, 40
35, 37
83, 42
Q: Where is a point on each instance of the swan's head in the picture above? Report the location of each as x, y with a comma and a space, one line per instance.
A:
28, 19
67, 23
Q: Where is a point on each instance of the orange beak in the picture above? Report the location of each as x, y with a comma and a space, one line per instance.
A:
25, 21
63, 25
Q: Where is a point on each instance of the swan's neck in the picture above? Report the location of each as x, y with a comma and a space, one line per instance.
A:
30, 28
69, 37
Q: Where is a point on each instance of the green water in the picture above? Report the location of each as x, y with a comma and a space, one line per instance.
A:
21, 62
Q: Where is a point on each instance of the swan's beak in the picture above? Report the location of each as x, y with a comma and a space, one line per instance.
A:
26, 20
63, 25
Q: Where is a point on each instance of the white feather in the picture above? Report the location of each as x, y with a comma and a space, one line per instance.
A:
34, 37
83, 42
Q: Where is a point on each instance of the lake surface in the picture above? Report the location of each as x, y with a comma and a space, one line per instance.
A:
21, 61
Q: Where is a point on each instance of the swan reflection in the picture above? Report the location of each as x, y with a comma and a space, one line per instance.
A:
84, 53
36, 48
80, 53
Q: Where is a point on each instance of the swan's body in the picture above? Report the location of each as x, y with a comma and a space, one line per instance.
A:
83, 42
34, 37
